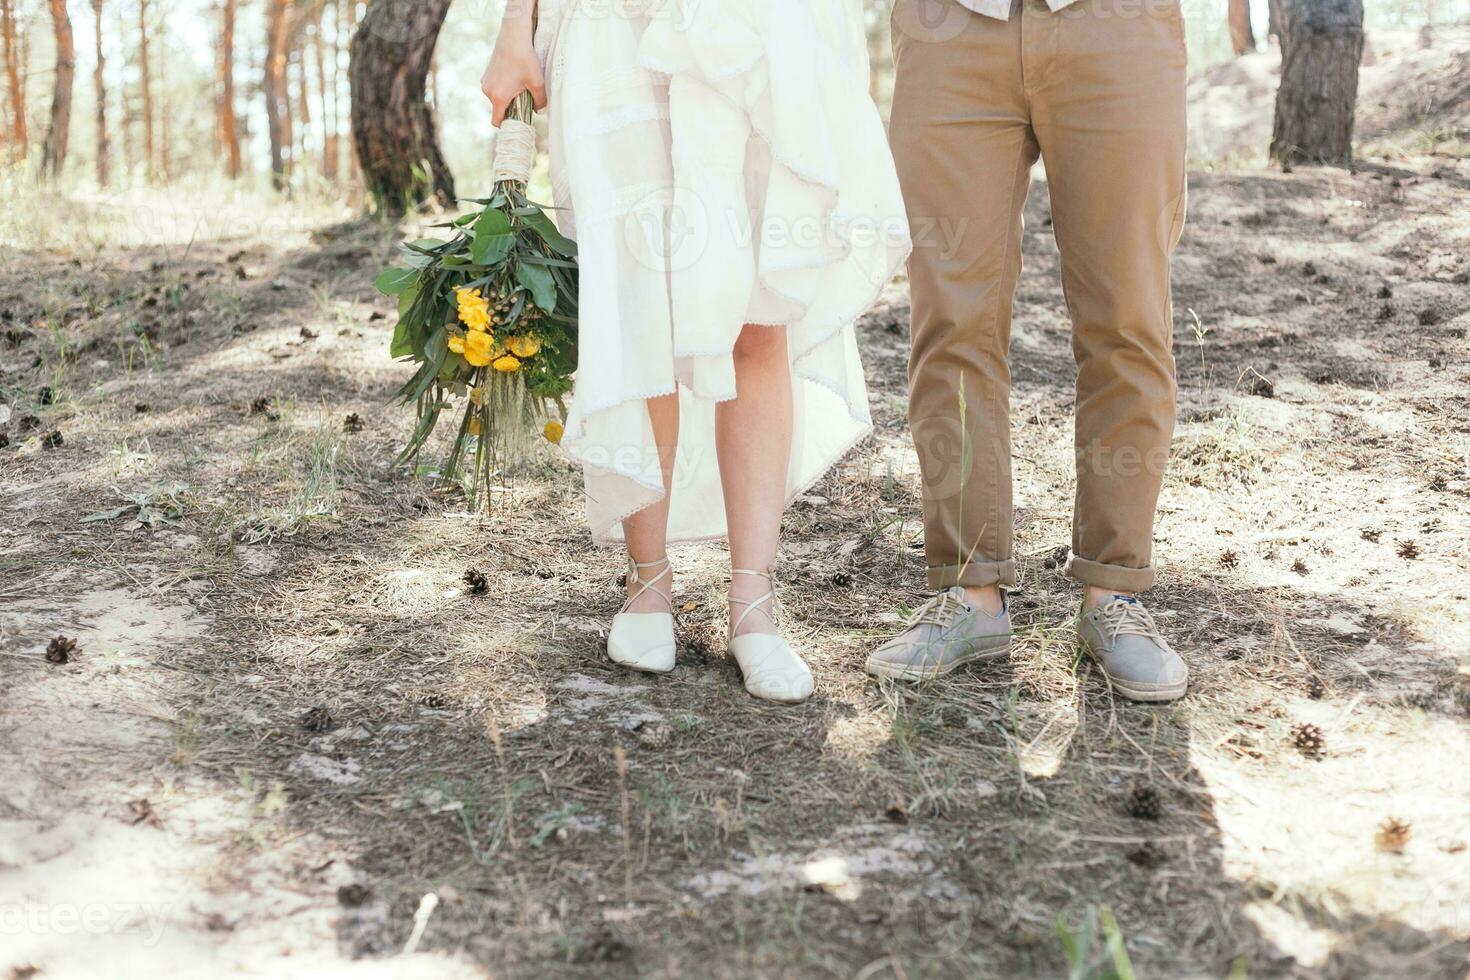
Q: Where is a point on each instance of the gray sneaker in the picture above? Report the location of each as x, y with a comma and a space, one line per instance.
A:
1138, 662
945, 633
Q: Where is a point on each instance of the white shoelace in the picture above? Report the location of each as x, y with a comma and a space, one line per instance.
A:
1124, 617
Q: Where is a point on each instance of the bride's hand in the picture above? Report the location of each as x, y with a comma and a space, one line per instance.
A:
513, 69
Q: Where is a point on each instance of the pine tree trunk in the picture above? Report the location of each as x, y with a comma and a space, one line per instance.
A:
393, 125
344, 42
99, 85
229, 128
165, 112
301, 114
274, 87
53, 152
19, 134
1322, 45
318, 47
1242, 34
145, 81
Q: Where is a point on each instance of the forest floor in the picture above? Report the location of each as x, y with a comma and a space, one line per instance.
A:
287, 722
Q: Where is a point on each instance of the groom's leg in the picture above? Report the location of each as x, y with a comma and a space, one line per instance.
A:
964, 148
1110, 117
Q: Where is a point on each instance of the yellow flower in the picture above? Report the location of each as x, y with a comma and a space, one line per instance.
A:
553, 432
477, 348
474, 309
506, 364
524, 347
456, 343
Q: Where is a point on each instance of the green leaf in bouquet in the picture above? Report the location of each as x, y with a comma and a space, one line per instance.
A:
546, 228
493, 237
489, 251
550, 261
402, 340
421, 254
435, 352
407, 298
392, 282
538, 283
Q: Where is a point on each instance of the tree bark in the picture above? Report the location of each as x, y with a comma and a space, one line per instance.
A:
300, 112
274, 87
19, 134
229, 127
99, 86
329, 140
53, 151
393, 125
145, 82
1242, 34
165, 110
1322, 45
345, 33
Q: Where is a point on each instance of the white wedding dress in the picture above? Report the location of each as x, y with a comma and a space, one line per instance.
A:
719, 162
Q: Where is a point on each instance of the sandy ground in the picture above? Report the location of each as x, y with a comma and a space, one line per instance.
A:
286, 723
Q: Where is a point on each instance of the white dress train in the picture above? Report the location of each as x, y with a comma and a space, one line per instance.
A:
719, 162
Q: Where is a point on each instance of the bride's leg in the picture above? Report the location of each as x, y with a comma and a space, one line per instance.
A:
753, 441
647, 531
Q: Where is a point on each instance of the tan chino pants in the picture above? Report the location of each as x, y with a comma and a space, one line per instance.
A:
1096, 90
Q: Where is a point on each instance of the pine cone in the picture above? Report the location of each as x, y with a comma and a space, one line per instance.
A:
1408, 550
353, 895
353, 423
1145, 803
60, 650
1309, 740
1149, 856
1229, 559
1393, 835
53, 439
318, 719
475, 582
1316, 690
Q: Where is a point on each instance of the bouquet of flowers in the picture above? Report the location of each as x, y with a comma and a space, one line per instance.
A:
489, 318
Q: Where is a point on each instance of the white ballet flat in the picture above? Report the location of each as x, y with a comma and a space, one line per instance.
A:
644, 641
772, 670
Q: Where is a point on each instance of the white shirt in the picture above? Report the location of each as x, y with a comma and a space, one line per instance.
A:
1001, 9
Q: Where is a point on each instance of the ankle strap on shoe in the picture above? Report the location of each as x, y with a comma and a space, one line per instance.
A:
635, 578
754, 605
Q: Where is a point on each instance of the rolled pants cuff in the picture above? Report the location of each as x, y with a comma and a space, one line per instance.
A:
975, 574
1118, 577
